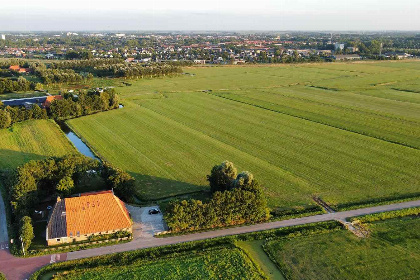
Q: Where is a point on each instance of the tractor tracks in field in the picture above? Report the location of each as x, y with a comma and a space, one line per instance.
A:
318, 122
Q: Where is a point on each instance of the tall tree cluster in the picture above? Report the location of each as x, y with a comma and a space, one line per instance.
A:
236, 199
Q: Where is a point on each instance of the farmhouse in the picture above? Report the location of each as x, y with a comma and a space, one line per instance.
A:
19, 69
77, 218
50, 99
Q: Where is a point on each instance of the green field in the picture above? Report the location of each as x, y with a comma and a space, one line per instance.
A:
32, 140
391, 252
346, 132
215, 264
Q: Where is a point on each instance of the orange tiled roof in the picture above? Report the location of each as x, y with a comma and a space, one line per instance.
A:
14, 67
50, 99
95, 212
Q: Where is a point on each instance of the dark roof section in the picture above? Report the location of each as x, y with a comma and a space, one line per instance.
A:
57, 225
21, 101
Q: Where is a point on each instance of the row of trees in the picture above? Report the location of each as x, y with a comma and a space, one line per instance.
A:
10, 115
37, 180
20, 84
134, 70
71, 106
84, 103
51, 76
236, 199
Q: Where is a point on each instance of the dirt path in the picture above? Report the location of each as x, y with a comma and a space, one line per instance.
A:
17, 268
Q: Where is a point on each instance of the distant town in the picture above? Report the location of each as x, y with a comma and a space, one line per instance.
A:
212, 48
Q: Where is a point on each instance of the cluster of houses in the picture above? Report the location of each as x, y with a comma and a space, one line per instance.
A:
200, 48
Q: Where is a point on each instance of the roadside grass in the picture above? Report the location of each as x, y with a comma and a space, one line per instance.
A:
256, 252
298, 140
32, 140
391, 252
224, 263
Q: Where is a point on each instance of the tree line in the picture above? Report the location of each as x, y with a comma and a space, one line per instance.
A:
13, 84
36, 180
236, 199
10, 115
84, 103
71, 106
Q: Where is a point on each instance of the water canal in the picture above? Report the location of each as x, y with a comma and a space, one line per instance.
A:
77, 142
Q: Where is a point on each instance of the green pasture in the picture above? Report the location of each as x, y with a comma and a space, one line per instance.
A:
32, 140
356, 142
391, 252
216, 264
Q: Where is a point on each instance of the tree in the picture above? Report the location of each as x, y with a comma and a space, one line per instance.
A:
39, 87
5, 119
221, 176
38, 113
26, 232
65, 185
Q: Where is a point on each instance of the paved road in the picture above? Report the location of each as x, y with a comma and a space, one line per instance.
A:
3, 224
16, 268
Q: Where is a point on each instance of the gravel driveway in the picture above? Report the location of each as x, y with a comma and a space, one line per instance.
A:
145, 225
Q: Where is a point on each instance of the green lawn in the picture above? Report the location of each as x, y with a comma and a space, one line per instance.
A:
256, 252
285, 124
391, 252
35, 139
215, 264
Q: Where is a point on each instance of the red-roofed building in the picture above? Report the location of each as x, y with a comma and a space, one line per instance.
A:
77, 218
50, 99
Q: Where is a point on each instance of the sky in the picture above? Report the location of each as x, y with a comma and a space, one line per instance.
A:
223, 15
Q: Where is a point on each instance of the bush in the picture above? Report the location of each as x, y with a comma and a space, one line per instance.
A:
241, 201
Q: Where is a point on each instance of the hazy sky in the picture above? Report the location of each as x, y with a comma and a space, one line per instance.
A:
34, 15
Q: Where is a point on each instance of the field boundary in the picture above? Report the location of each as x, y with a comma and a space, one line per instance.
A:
318, 122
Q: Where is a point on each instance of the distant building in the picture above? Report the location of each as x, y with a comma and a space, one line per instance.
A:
347, 57
3, 37
19, 69
338, 46
50, 99
27, 102
89, 214
353, 49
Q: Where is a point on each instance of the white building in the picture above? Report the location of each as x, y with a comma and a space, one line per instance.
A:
3, 37
339, 46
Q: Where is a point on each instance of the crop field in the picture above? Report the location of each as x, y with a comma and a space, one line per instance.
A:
32, 140
216, 264
345, 132
391, 252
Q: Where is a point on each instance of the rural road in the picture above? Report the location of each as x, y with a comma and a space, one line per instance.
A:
20, 268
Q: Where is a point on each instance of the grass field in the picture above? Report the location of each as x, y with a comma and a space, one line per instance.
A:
216, 264
346, 132
256, 252
391, 252
30, 140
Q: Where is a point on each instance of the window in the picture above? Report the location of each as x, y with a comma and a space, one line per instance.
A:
71, 234
78, 234
58, 239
